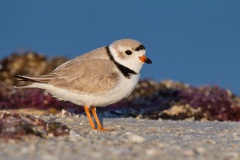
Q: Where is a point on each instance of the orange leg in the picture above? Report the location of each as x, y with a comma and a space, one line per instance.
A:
100, 127
89, 117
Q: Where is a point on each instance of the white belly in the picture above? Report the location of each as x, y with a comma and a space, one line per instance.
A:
122, 90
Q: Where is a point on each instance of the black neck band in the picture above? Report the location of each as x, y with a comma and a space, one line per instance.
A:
124, 70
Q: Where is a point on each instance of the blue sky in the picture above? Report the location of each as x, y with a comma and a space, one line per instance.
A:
197, 42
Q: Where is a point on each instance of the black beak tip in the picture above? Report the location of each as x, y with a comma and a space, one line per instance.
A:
148, 61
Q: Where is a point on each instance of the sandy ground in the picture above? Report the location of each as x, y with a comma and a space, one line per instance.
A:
131, 139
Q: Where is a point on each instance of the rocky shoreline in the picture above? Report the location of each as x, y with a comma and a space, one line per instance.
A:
34, 125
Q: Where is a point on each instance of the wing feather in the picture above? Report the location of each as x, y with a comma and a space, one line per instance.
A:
90, 73
90, 76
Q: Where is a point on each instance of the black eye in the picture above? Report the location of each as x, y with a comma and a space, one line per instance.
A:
128, 52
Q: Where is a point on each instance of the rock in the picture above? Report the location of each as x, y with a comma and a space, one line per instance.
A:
188, 153
136, 138
199, 150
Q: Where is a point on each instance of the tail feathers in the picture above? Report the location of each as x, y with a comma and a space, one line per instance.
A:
31, 80
25, 78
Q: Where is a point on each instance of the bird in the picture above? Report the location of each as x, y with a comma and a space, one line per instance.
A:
98, 78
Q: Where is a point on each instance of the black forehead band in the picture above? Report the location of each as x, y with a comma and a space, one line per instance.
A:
141, 47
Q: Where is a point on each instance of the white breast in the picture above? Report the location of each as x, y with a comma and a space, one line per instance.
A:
122, 90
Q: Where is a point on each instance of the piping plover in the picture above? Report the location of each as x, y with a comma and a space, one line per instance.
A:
98, 78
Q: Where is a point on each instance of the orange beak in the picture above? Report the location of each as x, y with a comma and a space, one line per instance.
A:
144, 59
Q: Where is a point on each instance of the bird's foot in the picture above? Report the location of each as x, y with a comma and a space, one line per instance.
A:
105, 129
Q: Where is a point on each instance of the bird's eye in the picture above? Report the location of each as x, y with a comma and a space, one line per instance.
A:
128, 52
